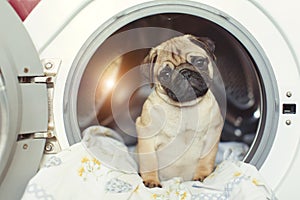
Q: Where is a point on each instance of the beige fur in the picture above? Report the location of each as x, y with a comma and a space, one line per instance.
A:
177, 139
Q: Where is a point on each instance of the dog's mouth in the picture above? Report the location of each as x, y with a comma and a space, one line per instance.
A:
185, 85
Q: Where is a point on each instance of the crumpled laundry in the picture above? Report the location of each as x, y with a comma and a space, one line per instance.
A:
100, 167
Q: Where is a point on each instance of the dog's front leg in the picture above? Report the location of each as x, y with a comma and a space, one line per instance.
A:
148, 162
147, 126
206, 165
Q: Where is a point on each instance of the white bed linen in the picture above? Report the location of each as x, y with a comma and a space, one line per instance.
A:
100, 168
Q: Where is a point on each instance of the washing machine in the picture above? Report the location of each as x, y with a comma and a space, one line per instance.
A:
59, 68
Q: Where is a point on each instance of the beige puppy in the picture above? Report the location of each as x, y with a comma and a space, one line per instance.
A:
180, 124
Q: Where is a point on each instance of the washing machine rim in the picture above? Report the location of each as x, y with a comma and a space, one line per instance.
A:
10, 105
263, 141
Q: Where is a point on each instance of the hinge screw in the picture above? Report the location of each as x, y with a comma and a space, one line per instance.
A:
49, 147
48, 65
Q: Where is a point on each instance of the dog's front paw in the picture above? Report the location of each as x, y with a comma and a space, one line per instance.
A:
152, 183
199, 178
201, 175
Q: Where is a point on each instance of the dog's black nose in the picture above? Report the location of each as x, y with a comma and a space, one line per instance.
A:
186, 73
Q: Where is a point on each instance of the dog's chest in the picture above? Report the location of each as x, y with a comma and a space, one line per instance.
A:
180, 135
178, 124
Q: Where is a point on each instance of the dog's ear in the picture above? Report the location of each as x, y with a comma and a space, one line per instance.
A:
205, 43
208, 42
147, 67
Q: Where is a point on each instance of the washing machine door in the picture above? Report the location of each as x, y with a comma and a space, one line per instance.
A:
23, 106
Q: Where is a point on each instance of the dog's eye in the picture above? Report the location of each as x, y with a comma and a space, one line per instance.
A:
165, 74
199, 62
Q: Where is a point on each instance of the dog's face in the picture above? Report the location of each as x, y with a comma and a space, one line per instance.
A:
182, 67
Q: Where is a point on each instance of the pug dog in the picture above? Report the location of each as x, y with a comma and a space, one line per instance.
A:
180, 124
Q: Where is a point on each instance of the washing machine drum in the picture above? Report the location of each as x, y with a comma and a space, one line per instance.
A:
112, 89
236, 77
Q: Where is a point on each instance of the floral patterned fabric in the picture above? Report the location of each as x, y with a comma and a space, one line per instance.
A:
78, 173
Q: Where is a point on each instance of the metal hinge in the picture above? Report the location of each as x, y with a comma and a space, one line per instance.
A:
50, 69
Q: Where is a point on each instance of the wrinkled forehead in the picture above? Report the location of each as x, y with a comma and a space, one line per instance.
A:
178, 49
